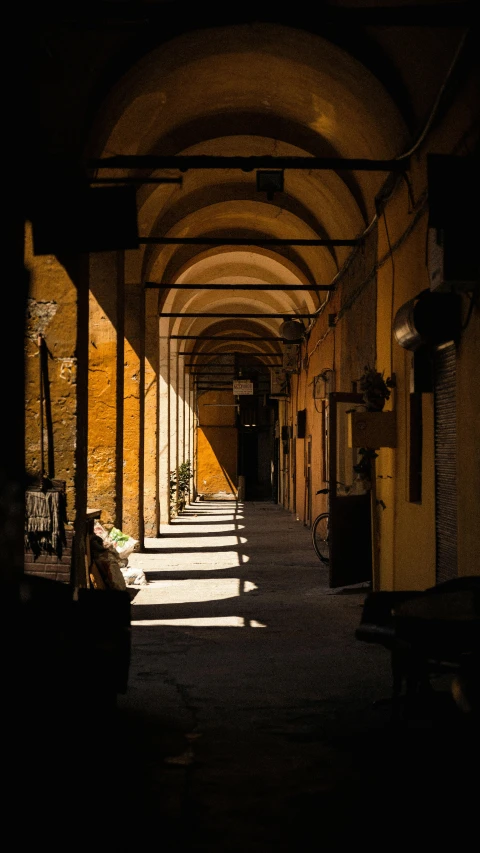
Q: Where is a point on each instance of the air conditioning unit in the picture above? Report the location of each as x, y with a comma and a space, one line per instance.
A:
452, 252
453, 264
429, 319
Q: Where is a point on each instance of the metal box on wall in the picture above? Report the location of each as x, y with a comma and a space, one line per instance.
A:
372, 429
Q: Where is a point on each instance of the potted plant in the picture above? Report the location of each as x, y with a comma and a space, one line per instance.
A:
375, 389
179, 487
184, 476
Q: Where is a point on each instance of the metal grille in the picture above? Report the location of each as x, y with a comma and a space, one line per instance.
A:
445, 463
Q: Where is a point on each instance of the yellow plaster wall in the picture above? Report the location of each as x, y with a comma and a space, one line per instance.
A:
300, 403
103, 408
321, 355
216, 463
151, 403
406, 529
51, 312
132, 426
408, 538
290, 459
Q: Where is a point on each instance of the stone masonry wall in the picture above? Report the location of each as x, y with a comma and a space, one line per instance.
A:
50, 565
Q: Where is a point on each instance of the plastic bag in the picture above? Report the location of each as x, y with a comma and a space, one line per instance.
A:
122, 542
118, 537
126, 549
134, 577
107, 561
114, 539
99, 530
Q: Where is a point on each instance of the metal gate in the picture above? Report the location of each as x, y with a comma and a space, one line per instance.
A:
445, 462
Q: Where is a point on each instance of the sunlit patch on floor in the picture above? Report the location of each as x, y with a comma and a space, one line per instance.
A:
188, 591
202, 622
196, 560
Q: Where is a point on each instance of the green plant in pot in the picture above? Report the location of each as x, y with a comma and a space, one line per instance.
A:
184, 477
180, 487
364, 466
375, 389
363, 471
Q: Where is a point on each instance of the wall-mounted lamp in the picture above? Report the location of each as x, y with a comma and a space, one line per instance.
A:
292, 330
323, 384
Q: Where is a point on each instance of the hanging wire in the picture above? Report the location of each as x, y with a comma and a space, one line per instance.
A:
473, 302
392, 292
383, 197
438, 99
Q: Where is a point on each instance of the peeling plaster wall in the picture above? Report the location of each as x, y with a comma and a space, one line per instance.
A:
105, 391
322, 91
52, 313
151, 404
132, 521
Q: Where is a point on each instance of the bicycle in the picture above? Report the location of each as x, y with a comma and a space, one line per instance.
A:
321, 530
321, 533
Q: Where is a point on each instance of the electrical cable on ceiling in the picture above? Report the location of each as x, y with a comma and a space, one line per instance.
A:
381, 197
392, 292
437, 102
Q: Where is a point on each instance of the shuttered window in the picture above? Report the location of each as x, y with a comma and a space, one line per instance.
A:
445, 462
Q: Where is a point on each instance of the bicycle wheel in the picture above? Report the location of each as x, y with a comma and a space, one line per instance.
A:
320, 535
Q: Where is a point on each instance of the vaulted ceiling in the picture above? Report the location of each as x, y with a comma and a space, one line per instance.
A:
157, 80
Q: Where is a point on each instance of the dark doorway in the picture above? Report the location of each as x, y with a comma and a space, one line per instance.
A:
256, 448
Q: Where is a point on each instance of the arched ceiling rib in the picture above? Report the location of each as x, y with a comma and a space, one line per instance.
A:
185, 256
241, 262
343, 189
222, 267
268, 68
322, 202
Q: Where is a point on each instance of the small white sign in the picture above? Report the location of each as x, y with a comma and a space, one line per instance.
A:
242, 386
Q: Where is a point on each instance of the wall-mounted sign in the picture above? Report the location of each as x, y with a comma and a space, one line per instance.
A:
242, 386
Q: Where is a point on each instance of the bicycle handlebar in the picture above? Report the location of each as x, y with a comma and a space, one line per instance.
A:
326, 491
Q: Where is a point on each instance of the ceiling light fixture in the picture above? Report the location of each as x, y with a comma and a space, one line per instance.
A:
270, 181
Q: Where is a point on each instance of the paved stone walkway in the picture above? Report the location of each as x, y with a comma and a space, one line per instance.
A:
249, 722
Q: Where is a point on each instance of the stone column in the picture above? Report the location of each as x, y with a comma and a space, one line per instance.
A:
180, 372
105, 393
133, 443
163, 426
56, 393
188, 425
151, 415
174, 460
194, 436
